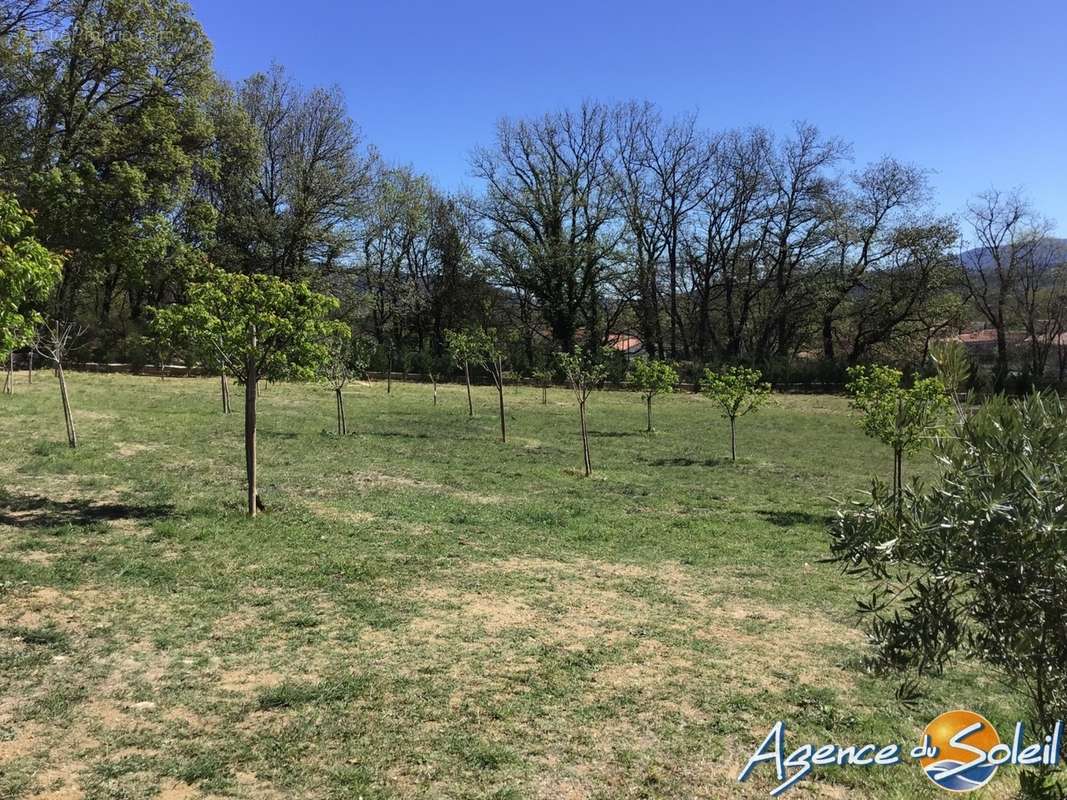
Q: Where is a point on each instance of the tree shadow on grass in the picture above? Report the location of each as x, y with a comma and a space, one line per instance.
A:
614, 434
37, 511
278, 434
789, 519
690, 462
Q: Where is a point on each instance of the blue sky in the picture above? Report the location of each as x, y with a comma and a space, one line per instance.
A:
975, 91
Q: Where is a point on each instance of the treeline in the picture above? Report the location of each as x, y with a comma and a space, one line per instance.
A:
140, 166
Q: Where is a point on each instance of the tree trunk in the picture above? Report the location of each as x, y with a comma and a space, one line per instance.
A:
225, 393
828, 337
733, 439
898, 481
72, 435
585, 440
389, 376
29, 367
500, 394
467, 375
432, 378
544, 395
340, 412
1002, 359
9, 384
648, 402
251, 383
898, 470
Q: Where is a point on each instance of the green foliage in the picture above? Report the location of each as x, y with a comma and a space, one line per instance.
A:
279, 329
464, 346
653, 377
585, 369
953, 369
900, 417
542, 377
738, 391
27, 274
976, 565
347, 357
111, 138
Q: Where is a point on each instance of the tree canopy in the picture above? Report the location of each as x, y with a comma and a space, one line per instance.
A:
28, 271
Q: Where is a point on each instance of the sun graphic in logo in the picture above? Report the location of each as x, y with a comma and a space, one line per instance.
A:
963, 740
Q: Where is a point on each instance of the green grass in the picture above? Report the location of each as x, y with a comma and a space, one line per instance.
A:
424, 611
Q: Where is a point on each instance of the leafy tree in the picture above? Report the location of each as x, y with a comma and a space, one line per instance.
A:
652, 377
973, 567
543, 378
464, 347
551, 203
738, 391
105, 141
900, 417
346, 358
170, 328
27, 274
584, 373
261, 327
285, 206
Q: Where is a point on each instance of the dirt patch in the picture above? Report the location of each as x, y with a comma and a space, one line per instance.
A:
495, 613
131, 449
379, 479
177, 790
248, 680
325, 511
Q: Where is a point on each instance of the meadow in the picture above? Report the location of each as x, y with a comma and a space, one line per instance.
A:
424, 612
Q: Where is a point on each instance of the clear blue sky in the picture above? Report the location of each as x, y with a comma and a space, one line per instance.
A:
974, 90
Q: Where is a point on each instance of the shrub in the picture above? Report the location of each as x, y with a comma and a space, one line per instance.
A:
738, 391
975, 567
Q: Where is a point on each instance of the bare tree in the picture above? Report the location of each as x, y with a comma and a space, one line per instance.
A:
551, 201
492, 355
30, 16
662, 171
866, 217
1040, 297
1007, 239
55, 341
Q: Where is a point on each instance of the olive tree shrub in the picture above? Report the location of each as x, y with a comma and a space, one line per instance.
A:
905, 418
652, 377
738, 391
974, 567
584, 371
953, 367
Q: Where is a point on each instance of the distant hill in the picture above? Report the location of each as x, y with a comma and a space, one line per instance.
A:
1052, 248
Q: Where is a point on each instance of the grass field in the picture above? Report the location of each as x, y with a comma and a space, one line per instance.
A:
425, 612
